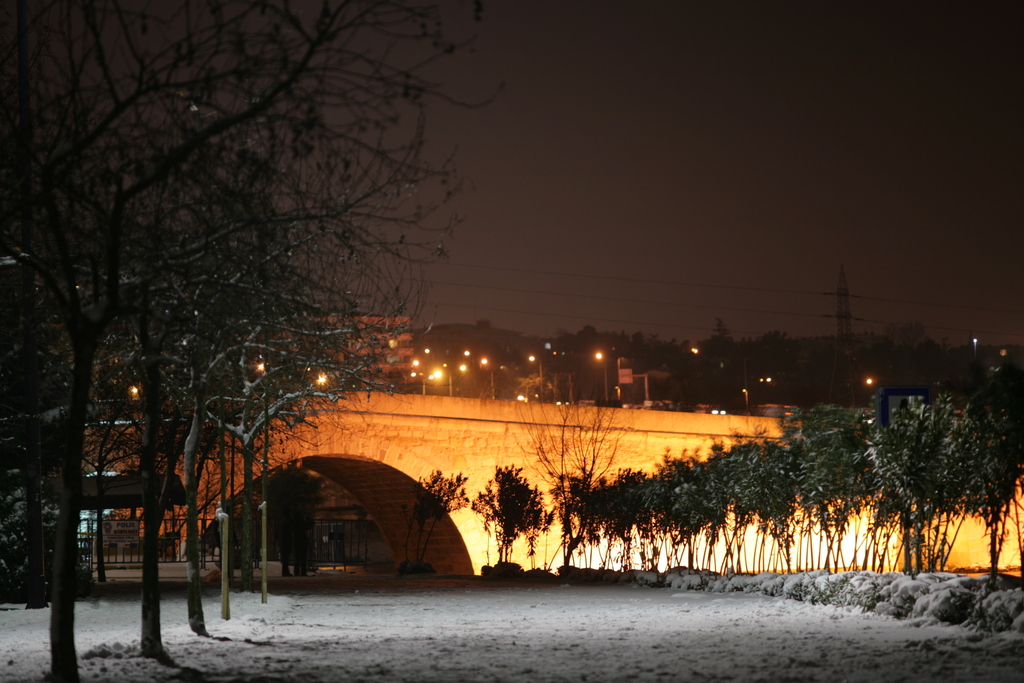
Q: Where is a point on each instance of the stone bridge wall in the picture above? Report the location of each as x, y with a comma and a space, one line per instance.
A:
378, 448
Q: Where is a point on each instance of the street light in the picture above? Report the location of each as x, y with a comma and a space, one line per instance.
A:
604, 371
484, 364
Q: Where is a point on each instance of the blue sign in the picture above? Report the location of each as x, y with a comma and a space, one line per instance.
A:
891, 400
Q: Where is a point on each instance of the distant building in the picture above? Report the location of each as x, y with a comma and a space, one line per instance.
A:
396, 342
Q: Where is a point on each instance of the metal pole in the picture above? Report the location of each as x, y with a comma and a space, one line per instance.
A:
604, 371
223, 522
263, 503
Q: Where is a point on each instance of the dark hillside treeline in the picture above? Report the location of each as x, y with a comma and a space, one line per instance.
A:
712, 373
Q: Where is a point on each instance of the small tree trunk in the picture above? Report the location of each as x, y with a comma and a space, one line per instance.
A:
247, 584
152, 643
907, 568
919, 545
63, 657
196, 620
995, 545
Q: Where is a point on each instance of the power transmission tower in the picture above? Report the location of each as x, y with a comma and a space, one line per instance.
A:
844, 338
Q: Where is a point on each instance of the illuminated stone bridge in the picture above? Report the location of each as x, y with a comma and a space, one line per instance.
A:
377, 449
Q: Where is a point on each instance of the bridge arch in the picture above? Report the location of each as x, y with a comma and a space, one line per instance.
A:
383, 491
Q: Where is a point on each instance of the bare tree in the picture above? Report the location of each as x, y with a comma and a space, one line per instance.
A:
111, 439
573, 452
290, 113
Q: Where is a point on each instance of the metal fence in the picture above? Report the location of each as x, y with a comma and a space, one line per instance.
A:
330, 543
340, 543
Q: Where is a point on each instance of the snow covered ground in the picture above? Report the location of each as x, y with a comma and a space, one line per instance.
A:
530, 632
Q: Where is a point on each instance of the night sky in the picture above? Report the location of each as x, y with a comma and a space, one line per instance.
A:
652, 166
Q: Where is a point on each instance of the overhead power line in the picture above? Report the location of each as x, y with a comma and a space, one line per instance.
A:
642, 281
630, 301
663, 324
768, 290
980, 309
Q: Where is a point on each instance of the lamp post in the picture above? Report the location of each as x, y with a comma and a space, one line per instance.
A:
540, 372
463, 367
485, 364
417, 373
647, 387
604, 371
437, 375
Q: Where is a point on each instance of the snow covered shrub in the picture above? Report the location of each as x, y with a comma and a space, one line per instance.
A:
864, 589
580, 574
504, 570
719, 584
999, 611
940, 596
799, 586
827, 589
642, 578
899, 596
14, 544
951, 604
12, 537
747, 583
538, 574
406, 567
771, 583
612, 576
688, 580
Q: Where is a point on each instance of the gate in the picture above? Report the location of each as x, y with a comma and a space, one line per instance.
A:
340, 543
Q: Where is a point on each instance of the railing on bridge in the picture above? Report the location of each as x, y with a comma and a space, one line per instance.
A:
330, 543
